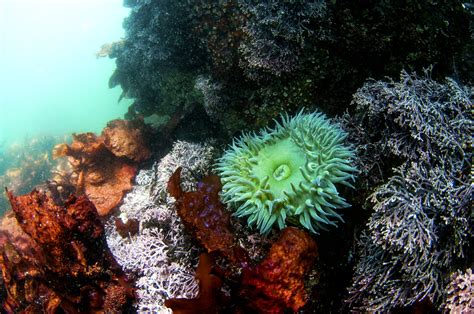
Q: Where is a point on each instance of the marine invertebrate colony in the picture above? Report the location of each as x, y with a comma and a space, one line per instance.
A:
288, 173
256, 53
461, 292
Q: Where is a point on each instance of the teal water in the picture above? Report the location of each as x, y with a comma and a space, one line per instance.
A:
51, 82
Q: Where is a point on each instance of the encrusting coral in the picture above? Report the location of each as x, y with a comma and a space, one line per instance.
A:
288, 173
55, 258
104, 166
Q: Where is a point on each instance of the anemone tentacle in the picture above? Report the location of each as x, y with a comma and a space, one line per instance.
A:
288, 174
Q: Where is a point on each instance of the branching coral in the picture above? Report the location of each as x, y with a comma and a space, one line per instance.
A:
194, 158
162, 261
288, 173
421, 226
56, 258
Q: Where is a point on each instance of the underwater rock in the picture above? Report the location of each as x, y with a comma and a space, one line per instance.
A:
263, 58
274, 35
105, 165
55, 258
203, 215
277, 283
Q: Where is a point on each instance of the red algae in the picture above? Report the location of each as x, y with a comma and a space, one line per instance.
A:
210, 297
204, 216
55, 258
276, 284
104, 166
130, 227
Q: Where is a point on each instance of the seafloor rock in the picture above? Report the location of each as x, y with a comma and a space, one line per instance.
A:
259, 58
277, 283
105, 165
55, 258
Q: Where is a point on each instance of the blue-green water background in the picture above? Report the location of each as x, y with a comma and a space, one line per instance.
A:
51, 82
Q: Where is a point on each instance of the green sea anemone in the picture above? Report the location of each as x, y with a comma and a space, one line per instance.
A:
288, 174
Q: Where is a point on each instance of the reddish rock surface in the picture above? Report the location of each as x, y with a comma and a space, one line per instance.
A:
55, 258
277, 283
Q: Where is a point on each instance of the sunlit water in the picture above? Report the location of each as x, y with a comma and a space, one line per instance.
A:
51, 82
